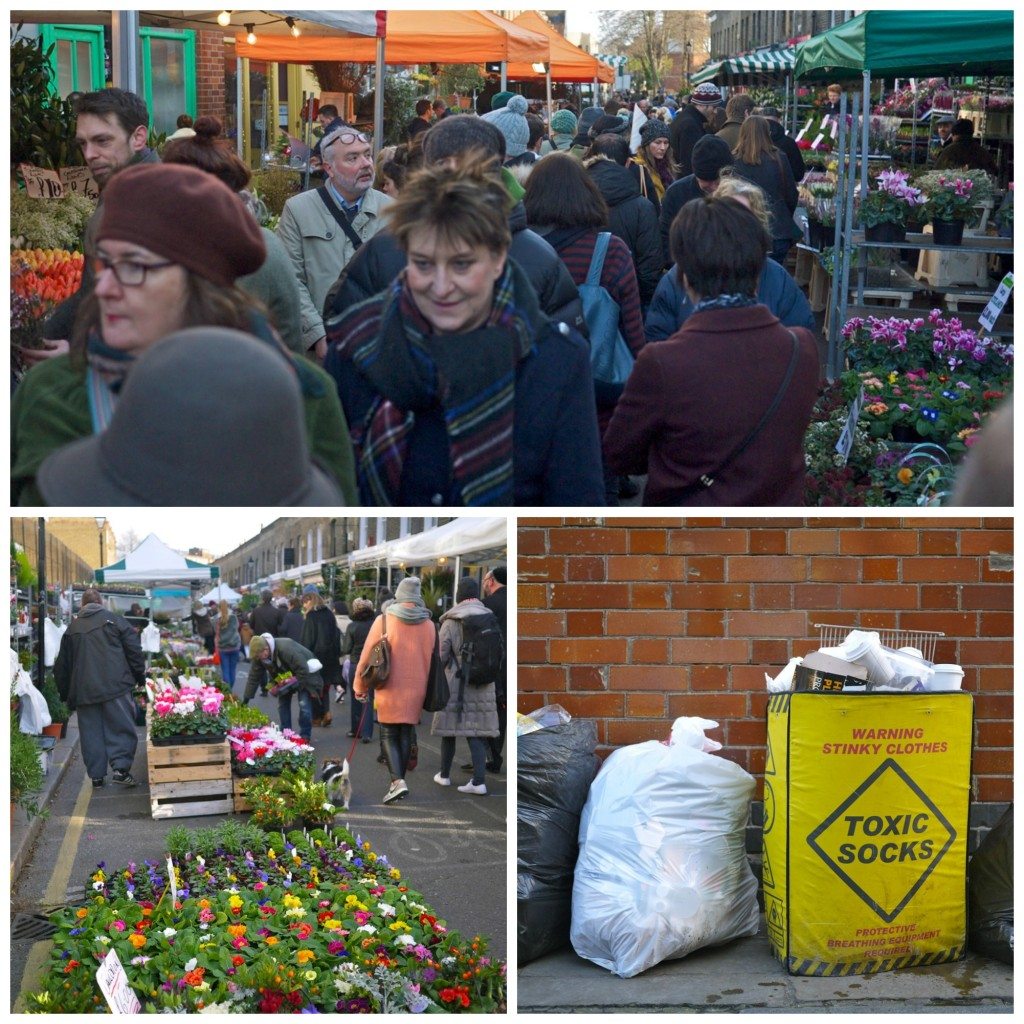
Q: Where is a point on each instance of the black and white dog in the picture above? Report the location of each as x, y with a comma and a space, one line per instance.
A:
339, 785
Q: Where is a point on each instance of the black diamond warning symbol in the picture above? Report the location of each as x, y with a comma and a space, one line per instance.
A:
884, 840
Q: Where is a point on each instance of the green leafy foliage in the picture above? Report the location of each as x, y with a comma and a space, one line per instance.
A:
49, 223
26, 771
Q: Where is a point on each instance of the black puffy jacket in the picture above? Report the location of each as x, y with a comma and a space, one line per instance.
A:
100, 658
380, 260
321, 635
633, 219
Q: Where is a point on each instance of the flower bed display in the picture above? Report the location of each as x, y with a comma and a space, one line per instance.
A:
40, 279
268, 750
313, 922
189, 715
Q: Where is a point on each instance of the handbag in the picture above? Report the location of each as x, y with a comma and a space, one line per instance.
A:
611, 361
378, 665
437, 695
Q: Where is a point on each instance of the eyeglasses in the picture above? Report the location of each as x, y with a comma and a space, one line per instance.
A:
128, 272
344, 137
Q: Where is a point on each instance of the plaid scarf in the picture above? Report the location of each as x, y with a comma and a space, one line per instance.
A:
470, 377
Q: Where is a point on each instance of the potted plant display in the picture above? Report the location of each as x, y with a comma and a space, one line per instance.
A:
886, 207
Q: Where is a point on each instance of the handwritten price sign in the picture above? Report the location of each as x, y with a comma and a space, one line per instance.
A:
41, 183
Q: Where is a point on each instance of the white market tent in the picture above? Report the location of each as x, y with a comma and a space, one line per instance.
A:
154, 562
221, 592
464, 536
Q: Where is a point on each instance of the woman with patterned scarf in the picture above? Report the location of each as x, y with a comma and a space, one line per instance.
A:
171, 244
457, 388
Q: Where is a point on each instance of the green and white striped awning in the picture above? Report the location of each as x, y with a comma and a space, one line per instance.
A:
613, 61
154, 562
763, 62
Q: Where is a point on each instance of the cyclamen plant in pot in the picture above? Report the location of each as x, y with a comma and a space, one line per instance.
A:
192, 713
888, 203
948, 205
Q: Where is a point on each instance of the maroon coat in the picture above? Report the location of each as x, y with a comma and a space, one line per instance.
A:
692, 399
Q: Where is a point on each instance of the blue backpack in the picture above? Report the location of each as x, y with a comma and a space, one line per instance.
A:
610, 358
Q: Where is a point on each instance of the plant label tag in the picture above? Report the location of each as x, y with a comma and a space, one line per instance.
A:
41, 183
171, 880
845, 443
995, 305
806, 128
817, 141
835, 127
113, 983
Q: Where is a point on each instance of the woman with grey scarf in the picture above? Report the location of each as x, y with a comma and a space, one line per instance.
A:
411, 636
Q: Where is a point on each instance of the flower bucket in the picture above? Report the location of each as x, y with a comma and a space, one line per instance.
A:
948, 232
886, 231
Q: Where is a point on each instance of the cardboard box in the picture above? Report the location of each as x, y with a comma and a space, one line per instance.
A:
865, 830
827, 674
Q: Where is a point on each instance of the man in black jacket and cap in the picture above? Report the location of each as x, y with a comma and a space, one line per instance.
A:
99, 663
380, 259
692, 122
783, 143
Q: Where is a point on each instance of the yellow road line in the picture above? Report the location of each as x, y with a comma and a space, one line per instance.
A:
56, 892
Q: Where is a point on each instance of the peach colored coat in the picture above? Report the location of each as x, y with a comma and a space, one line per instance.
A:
400, 702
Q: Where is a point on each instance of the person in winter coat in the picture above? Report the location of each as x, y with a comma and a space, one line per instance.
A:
270, 657
99, 663
565, 205
412, 637
757, 160
655, 157
693, 412
321, 635
292, 621
203, 625
630, 216
587, 119
783, 143
266, 617
563, 131
471, 711
691, 123
737, 109
966, 152
380, 260
352, 644
459, 390
711, 155
229, 643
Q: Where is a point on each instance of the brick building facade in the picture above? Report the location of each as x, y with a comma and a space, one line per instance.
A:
210, 56
634, 622
734, 32
64, 564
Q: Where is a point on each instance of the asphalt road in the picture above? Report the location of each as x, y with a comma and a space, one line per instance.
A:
450, 846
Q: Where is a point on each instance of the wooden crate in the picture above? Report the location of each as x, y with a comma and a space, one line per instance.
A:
190, 780
241, 805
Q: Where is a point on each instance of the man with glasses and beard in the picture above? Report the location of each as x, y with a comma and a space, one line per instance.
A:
322, 229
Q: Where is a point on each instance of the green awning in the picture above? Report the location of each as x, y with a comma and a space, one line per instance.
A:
762, 62
905, 44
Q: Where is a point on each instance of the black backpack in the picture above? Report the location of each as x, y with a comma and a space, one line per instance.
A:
482, 652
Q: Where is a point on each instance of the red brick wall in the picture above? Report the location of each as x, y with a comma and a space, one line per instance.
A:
634, 622
210, 98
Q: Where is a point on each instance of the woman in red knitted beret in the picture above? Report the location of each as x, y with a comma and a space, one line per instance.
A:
171, 243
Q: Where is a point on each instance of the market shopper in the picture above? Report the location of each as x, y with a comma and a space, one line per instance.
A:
966, 152
693, 121
266, 617
471, 711
203, 626
459, 390
496, 600
292, 623
362, 616
170, 246
323, 228
111, 129
272, 656
782, 142
654, 162
274, 282
99, 663
321, 635
411, 636
738, 108
716, 414
228, 643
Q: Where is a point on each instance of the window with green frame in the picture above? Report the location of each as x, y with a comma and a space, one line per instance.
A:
168, 75
76, 58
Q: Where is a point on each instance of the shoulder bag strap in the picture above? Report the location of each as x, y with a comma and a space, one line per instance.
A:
597, 259
707, 479
339, 215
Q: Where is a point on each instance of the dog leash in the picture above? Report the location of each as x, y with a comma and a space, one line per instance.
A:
359, 729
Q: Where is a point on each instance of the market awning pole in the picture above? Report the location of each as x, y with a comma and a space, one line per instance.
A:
41, 625
866, 106
124, 29
504, 75
238, 108
378, 99
550, 111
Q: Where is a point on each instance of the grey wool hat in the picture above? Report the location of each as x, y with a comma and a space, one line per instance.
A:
409, 590
177, 415
511, 121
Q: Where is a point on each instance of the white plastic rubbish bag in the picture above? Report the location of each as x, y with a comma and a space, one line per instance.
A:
150, 638
662, 868
52, 634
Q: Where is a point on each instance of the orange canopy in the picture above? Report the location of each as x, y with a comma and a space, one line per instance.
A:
569, 63
413, 37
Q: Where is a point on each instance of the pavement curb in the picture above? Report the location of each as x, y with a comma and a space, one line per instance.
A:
25, 830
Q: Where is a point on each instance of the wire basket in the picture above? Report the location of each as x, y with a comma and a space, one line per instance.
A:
922, 639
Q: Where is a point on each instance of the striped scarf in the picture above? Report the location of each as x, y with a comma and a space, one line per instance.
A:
469, 376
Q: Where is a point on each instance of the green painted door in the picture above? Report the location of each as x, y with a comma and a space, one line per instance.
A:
168, 76
76, 58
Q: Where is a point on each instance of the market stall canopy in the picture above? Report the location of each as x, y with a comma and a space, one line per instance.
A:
569, 63
154, 562
375, 554
762, 62
464, 536
904, 44
221, 592
413, 37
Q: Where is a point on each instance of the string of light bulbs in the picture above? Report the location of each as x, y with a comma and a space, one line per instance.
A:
224, 20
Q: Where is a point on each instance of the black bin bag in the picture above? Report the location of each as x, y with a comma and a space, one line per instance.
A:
990, 878
555, 766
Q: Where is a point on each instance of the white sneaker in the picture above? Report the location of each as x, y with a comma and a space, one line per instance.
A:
396, 791
441, 780
480, 790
